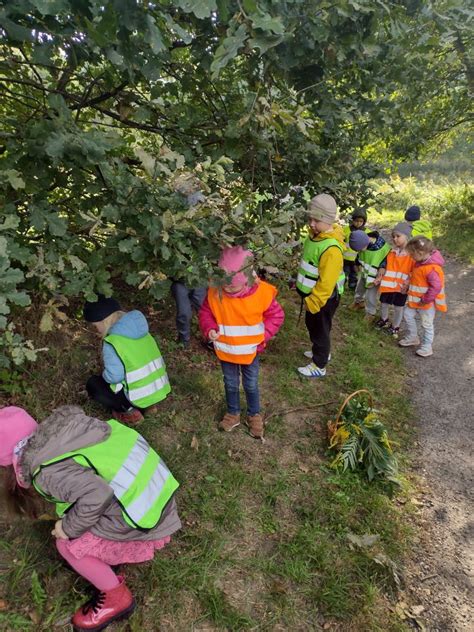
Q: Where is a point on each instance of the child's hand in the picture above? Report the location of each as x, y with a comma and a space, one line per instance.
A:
58, 531
213, 335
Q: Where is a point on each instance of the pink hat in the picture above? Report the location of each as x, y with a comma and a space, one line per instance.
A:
15, 425
233, 259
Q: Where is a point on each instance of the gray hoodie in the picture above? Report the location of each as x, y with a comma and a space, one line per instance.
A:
94, 506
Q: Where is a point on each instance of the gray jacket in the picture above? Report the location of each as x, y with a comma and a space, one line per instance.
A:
95, 509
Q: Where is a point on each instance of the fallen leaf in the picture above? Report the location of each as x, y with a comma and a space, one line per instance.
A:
3, 604
363, 541
304, 468
194, 443
417, 610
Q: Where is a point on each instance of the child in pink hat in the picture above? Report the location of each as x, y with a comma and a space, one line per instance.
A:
95, 530
240, 318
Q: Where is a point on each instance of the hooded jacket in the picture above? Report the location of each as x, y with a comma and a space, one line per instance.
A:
434, 280
94, 506
132, 325
330, 267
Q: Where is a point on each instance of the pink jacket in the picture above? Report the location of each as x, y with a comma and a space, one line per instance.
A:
273, 318
433, 278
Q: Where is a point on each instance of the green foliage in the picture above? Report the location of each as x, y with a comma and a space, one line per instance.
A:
362, 444
105, 106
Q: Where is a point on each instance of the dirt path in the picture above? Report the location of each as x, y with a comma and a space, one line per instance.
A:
442, 576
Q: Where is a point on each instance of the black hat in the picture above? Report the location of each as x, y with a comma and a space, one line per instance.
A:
95, 312
413, 213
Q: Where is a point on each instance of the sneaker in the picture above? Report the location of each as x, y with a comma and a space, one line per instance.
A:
357, 305
409, 342
311, 370
381, 323
392, 331
131, 417
255, 425
424, 352
309, 354
229, 422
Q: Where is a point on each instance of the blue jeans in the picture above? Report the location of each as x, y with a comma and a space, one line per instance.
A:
232, 386
186, 298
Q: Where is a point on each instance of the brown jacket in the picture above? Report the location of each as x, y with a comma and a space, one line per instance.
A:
94, 506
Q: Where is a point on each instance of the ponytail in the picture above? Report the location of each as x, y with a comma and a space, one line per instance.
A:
19, 501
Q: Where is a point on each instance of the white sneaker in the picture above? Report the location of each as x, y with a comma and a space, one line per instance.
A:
409, 342
424, 352
311, 370
309, 354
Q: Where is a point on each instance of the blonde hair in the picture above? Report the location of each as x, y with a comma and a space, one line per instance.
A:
421, 245
111, 319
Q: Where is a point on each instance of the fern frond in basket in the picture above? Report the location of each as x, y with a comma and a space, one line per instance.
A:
361, 440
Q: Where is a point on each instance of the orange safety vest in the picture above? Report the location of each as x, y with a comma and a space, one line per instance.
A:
419, 286
240, 322
399, 268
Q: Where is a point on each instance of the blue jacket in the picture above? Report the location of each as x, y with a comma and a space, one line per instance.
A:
132, 325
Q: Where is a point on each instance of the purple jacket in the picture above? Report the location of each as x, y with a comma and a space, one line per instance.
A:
433, 278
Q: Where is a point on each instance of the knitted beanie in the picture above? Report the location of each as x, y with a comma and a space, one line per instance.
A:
359, 240
15, 425
360, 212
323, 207
233, 259
404, 228
95, 312
413, 213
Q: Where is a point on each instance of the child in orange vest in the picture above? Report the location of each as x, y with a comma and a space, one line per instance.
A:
394, 283
425, 294
240, 318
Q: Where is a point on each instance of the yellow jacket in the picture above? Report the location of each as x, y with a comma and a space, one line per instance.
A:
330, 267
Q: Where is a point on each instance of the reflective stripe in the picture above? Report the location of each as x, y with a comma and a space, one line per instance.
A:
414, 299
418, 288
440, 301
235, 349
145, 371
116, 387
305, 282
390, 284
126, 475
242, 330
397, 275
149, 495
371, 271
350, 256
308, 267
149, 389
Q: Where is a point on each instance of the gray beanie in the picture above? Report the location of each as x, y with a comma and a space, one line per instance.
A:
404, 228
359, 240
323, 207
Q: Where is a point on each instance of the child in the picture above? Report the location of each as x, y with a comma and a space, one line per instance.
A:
394, 283
418, 226
372, 257
321, 280
358, 221
425, 294
134, 376
240, 319
112, 510
186, 299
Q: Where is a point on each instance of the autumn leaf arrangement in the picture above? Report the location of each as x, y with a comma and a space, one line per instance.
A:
360, 441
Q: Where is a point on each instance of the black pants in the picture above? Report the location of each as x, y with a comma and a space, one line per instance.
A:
99, 390
319, 329
350, 270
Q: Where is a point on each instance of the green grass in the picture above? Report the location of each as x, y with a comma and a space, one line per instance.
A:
447, 202
264, 541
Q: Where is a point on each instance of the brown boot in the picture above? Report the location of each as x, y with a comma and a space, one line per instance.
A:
229, 422
255, 425
130, 417
151, 410
355, 306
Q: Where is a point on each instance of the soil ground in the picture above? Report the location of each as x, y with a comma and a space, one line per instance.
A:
441, 577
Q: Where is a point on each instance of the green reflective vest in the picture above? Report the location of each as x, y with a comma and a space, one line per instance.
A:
370, 261
142, 483
422, 227
308, 272
146, 381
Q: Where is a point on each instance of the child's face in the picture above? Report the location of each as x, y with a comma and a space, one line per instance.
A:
317, 226
399, 239
419, 256
357, 222
233, 289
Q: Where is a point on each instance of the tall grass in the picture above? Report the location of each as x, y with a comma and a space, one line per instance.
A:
448, 202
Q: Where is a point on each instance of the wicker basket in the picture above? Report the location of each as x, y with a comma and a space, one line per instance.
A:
334, 425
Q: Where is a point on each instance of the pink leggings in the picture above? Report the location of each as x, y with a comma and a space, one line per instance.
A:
97, 572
